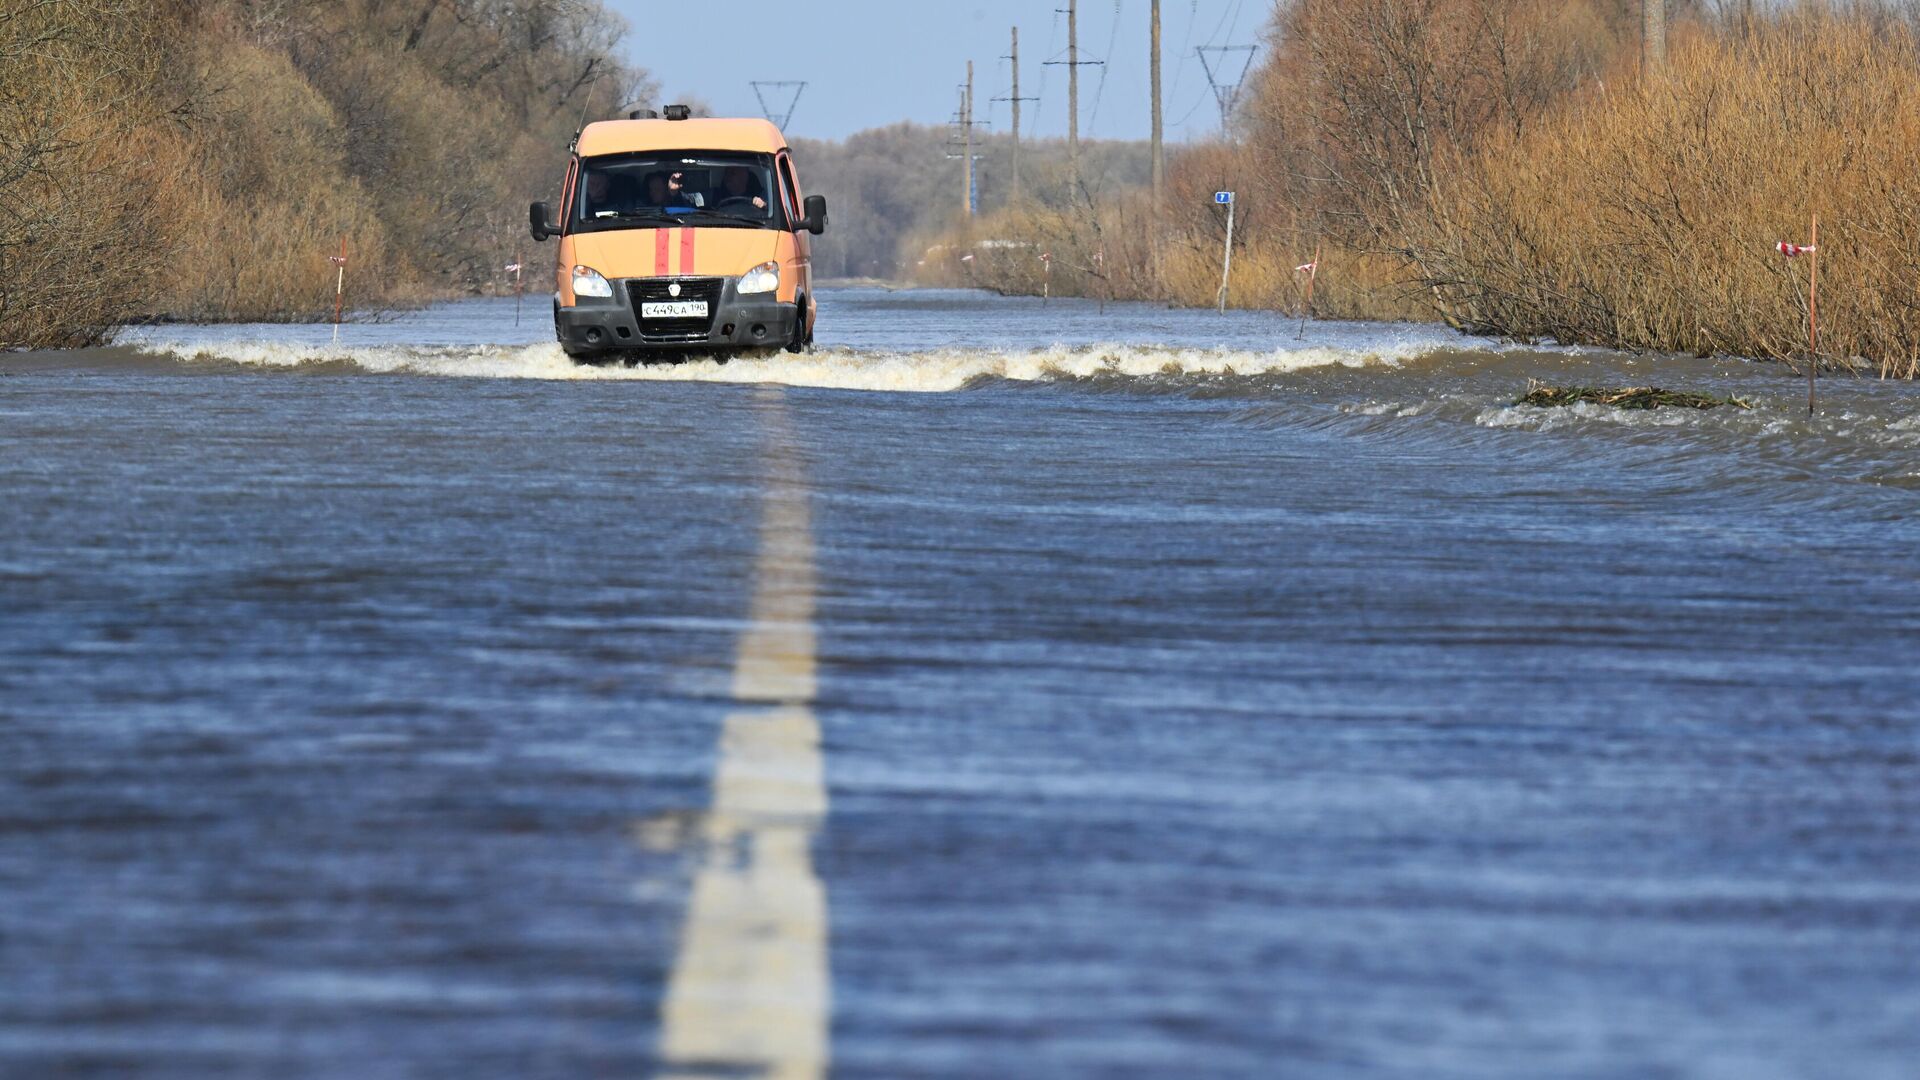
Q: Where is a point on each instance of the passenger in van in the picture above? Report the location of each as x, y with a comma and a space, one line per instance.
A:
599, 192
665, 191
739, 190
609, 194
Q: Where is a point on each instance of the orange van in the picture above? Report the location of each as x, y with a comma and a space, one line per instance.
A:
681, 235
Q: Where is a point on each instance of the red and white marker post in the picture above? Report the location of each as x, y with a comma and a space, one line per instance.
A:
1812, 251
514, 269
1312, 270
339, 286
1046, 279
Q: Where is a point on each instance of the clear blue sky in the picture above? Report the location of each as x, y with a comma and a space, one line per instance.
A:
875, 62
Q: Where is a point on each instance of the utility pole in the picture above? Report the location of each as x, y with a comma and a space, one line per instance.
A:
1159, 151
966, 121
1653, 37
963, 141
1073, 64
1014, 56
1073, 86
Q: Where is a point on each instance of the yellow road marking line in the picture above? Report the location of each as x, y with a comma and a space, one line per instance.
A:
750, 991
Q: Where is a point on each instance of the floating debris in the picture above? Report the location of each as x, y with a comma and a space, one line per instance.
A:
1629, 397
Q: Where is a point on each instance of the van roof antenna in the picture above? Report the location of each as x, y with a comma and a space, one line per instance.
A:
585, 106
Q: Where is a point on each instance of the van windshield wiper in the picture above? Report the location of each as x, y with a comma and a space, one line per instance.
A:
638, 215
733, 219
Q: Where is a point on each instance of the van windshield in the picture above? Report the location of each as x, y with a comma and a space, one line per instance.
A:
645, 191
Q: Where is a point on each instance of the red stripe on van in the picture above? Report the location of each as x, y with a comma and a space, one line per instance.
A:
686, 252
659, 253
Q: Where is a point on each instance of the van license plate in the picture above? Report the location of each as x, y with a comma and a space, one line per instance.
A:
681, 309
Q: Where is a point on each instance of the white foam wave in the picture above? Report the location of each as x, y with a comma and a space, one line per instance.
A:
932, 371
1555, 418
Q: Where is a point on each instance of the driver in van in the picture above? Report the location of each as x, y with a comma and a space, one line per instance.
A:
737, 185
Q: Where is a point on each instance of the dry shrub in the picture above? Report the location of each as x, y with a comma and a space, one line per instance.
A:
1644, 218
202, 158
86, 195
271, 196
1347, 119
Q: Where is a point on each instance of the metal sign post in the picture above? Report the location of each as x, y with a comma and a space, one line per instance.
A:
339, 286
1225, 198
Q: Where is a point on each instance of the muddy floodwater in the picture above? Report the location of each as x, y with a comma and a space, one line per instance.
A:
998, 691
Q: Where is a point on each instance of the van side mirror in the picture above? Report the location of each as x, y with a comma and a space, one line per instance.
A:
540, 221
816, 219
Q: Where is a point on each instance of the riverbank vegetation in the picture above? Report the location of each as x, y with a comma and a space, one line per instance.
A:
1631, 397
203, 159
1507, 167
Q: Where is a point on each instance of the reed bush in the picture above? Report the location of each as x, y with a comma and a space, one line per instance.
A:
1122, 247
1505, 166
1645, 217
85, 188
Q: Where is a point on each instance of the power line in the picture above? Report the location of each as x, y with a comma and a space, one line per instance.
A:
1053, 35
1100, 90
1193, 16
1235, 27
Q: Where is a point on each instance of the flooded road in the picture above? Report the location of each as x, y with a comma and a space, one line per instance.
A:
997, 691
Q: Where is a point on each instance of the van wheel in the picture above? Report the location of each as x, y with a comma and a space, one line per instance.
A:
802, 333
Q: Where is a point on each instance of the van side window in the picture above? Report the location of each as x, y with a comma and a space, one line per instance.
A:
792, 192
566, 190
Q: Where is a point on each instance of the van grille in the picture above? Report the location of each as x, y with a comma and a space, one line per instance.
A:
671, 331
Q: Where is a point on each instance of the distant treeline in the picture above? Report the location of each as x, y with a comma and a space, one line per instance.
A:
892, 191
1507, 166
203, 158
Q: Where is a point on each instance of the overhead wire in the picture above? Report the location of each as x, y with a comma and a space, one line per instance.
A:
1186, 51
1053, 35
1232, 28
1106, 64
1193, 16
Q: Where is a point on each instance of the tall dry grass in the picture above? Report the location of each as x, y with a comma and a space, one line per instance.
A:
1120, 246
1645, 217
270, 197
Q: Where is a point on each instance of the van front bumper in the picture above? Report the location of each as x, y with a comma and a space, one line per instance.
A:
733, 321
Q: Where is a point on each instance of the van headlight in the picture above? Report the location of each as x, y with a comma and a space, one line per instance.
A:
588, 282
764, 278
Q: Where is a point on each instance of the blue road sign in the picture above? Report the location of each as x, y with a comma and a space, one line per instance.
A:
1223, 197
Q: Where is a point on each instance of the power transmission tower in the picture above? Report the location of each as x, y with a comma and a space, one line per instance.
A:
1073, 64
1016, 99
777, 89
1225, 92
